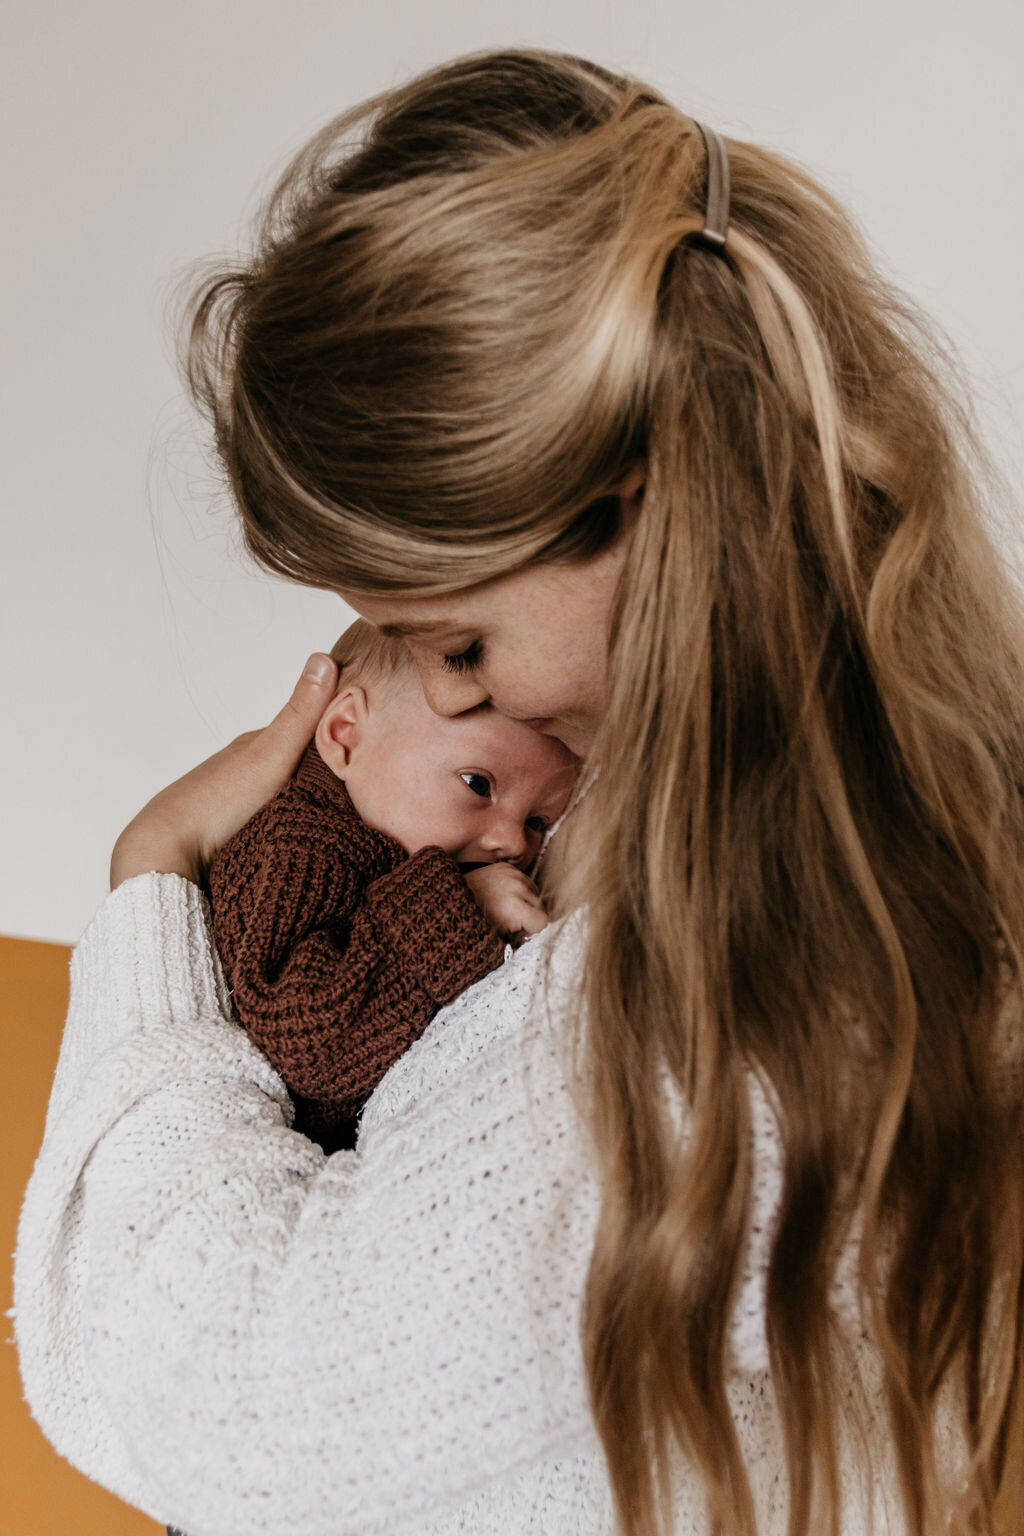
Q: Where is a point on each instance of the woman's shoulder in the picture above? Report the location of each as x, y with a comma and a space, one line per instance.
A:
517, 1014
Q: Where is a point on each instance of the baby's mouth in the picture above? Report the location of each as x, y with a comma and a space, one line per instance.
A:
465, 869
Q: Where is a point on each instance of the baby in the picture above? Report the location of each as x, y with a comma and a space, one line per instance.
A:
384, 879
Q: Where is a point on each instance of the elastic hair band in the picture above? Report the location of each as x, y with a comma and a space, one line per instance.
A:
716, 217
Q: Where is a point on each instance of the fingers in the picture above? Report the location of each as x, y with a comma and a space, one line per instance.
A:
532, 918
182, 827
292, 727
270, 756
521, 915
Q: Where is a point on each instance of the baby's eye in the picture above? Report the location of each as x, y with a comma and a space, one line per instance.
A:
537, 824
478, 783
465, 661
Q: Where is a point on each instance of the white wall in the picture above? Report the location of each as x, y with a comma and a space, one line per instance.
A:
139, 136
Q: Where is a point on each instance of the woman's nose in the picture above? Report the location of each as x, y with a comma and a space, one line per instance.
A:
447, 693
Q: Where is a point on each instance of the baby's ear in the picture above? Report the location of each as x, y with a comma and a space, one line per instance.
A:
341, 728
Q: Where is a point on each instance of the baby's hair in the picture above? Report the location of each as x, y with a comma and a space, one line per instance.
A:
366, 655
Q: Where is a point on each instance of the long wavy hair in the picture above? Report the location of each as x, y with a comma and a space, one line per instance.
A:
473, 303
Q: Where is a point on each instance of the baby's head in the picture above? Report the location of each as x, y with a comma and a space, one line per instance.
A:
479, 785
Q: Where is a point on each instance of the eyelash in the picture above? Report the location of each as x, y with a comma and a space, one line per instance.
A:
467, 660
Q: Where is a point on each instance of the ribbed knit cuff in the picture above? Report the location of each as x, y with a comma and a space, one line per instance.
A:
159, 928
426, 910
146, 957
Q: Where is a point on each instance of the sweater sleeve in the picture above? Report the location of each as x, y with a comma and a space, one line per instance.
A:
243, 1337
331, 982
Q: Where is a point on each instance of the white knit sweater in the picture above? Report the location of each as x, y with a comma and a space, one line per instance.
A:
244, 1337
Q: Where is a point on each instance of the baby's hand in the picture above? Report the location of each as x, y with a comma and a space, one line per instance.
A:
508, 899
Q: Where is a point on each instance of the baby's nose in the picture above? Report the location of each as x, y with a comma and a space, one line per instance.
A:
506, 839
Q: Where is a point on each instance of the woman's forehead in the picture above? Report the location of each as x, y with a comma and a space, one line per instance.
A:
406, 616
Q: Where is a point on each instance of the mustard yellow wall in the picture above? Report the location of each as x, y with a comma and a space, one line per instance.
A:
40, 1494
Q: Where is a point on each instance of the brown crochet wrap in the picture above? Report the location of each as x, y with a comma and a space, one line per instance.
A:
338, 947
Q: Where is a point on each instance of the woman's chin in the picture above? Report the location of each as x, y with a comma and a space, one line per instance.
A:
572, 734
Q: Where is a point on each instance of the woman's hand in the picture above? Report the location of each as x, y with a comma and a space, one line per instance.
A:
181, 828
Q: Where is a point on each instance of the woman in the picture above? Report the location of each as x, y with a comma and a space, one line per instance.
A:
705, 1212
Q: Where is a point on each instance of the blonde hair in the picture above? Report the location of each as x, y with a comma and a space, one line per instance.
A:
366, 655
472, 305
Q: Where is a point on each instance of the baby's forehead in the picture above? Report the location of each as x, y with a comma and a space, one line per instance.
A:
507, 747
488, 730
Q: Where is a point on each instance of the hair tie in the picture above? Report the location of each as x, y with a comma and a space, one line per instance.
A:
716, 216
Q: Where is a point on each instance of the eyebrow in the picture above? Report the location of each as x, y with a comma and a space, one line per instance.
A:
427, 627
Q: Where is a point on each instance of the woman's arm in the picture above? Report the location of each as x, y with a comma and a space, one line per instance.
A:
214, 1320
240, 1335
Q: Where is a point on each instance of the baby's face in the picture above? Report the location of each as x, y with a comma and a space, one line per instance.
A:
479, 785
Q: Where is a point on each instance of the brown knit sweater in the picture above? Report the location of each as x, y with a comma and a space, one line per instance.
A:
339, 948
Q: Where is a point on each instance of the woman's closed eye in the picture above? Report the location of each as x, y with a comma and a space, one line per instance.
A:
479, 783
465, 661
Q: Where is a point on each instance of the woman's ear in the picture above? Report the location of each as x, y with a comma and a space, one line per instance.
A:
631, 491
341, 729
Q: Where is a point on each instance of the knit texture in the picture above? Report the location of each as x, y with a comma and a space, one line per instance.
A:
337, 946
244, 1337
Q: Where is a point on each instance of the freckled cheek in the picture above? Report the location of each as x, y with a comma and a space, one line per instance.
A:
523, 689
514, 698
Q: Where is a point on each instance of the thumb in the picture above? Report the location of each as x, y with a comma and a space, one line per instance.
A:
292, 727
